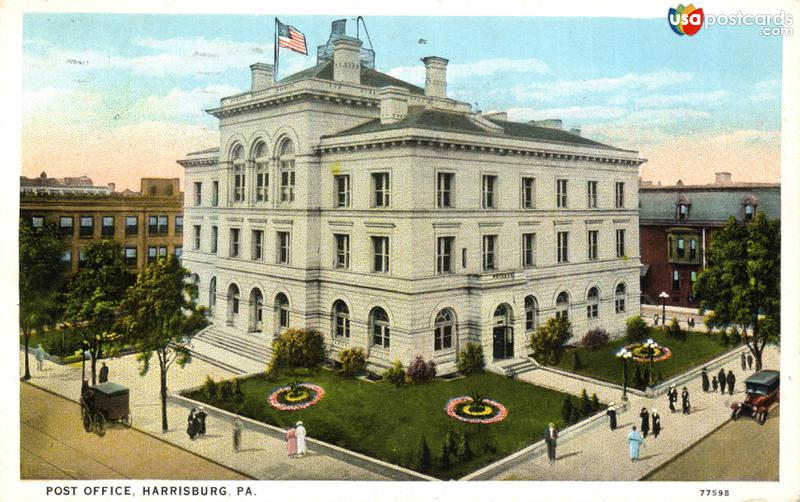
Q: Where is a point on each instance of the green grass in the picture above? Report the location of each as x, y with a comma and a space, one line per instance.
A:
51, 339
387, 422
601, 363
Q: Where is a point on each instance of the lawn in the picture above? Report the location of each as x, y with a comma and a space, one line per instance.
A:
602, 363
55, 341
387, 422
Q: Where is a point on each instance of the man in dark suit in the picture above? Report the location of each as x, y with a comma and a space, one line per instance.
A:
704, 376
550, 437
721, 377
104, 373
731, 382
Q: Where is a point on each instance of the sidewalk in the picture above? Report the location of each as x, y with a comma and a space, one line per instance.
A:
602, 454
261, 457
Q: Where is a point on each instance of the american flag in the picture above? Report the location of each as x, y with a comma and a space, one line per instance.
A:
290, 38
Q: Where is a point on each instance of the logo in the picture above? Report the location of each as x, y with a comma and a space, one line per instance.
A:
685, 20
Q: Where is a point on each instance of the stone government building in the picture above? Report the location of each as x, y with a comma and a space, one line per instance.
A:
393, 218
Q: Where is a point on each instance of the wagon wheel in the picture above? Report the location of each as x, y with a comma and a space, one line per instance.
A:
87, 421
762, 417
736, 413
100, 424
128, 419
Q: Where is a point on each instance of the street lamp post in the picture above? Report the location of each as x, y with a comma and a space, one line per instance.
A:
652, 346
624, 355
663, 295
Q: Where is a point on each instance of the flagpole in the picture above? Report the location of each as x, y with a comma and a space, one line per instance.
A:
276, 55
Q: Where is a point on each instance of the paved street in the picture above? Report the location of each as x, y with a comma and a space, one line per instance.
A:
55, 446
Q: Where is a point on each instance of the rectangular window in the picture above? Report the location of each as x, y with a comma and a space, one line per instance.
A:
87, 226
592, 244
380, 185
152, 254
198, 193
561, 193
233, 250
563, 247
197, 231
683, 212
342, 190
179, 253
163, 225
214, 238
591, 194
621, 243
81, 258
130, 256
283, 241
676, 280
178, 225
528, 246
66, 257
444, 189
619, 195
489, 252
693, 249
444, 255
681, 248
152, 225
131, 225
37, 221
162, 252
463, 257
693, 277
262, 186
238, 183
489, 189
257, 243
215, 193
65, 225
107, 228
528, 193
380, 251
342, 251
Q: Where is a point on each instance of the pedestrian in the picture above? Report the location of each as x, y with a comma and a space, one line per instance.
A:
291, 442
201, 421
749, 361
39, 353
550, 438
656, 419
104, 373
721, 378
691, 322
635, 441
731, 382
191, 426
685, 401
645, 416
612, 416
672, 394
655, 319
301, 439
714, 384
237, 434
704, 376
744, 362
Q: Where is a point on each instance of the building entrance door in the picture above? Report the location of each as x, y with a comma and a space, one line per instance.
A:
502, 342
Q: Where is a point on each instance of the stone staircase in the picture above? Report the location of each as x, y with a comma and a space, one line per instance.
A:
513, 367
231, 350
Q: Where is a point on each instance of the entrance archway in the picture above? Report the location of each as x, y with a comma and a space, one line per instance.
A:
233, 304
502, 333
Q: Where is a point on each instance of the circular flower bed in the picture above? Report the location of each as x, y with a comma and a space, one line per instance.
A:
306, 395
464, 409
641, 354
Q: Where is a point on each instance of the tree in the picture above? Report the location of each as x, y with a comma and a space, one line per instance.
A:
742, 281
160, 315
93, 298
41, 275
548, 340
566, 409
635, 329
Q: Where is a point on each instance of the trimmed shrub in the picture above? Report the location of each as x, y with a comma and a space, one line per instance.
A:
451, 441
595, 403
635, 329
596, 338
423, 461
298, 348
464, 451
396, 374
675, 330
353, 361
236, 390
638, 379
470, 359
421, 372
566, 409
576, 416
224, 390
547, 342
210, 388
444, 458
576, 362
586, 404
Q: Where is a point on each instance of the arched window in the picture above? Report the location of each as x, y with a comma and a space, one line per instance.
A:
341, 320
256, 310
286, 163
281, 312
238, 173
233, 303
379, 327
443, 330
261, 161
212, 295
531, 313
562, 305
619, 298
502, 332
592, 303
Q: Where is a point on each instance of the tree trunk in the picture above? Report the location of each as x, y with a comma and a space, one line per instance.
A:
27, 334
164, 426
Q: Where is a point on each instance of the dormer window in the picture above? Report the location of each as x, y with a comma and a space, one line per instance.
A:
683, 212
749, 205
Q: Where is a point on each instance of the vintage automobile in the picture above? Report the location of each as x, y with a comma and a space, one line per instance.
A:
762, 391
103, 403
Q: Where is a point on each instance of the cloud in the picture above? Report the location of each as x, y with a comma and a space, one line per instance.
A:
180, 102
571, 113
712, 98
766, 90
481, 68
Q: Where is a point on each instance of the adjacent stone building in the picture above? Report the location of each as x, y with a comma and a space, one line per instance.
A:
148, 223
393, 218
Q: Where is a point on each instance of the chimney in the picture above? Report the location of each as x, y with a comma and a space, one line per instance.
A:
722, 178
435, 76
394, 103
576, 131
263, 76
347, 60
497, 116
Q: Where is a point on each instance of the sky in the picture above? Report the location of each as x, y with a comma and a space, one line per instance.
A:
118, 97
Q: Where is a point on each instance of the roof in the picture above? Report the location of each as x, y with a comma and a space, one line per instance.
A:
111, 388
369, 77
763, 377
439, 120
709, 204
